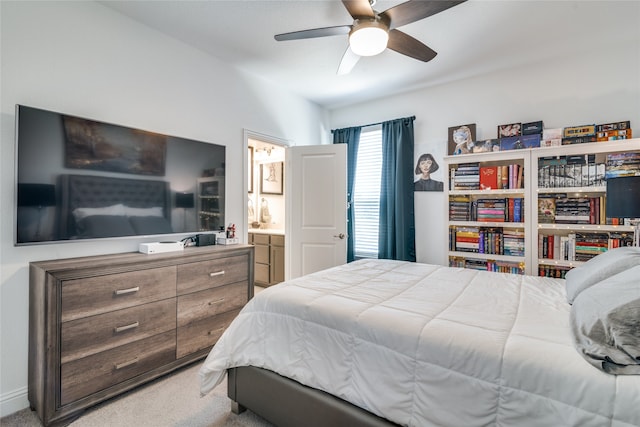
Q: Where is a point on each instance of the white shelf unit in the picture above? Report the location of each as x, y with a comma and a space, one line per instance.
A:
501, 158
600, 150
532, 259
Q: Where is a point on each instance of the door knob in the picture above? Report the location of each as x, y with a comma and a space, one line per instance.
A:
340, 236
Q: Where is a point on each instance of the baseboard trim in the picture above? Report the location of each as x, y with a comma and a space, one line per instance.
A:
13, 401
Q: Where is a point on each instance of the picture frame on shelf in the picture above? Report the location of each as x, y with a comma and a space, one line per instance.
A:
271, 175
461, 139
509, 130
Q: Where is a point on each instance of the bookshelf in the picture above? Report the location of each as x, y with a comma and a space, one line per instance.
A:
566, 178
576, 184
486, 210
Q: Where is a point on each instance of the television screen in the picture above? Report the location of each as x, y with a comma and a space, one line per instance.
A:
623, 197
84, 179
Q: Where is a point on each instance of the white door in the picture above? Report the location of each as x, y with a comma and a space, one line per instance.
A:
316, 177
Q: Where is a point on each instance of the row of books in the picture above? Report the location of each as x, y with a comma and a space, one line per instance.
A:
501, 177
583, 171
487, 265
465, 177
622, 164
472, 176
560, 209
495, 241
580, 246
570, 171
466, 208
588, 133
513, 136
559, 272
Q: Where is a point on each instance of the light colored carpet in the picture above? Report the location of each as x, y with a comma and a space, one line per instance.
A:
171, 401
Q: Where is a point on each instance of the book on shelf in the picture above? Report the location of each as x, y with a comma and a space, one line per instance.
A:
466, 239
624, 125
532, 128
488, 177
613, 131
558, 272
579, 131
614, 135
518, 210
551, 137
573, 210
546, 209
622, 164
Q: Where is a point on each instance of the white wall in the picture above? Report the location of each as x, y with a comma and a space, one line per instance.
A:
86, 60
575, 90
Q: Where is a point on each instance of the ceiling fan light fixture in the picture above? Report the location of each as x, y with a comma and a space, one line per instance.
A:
368, 38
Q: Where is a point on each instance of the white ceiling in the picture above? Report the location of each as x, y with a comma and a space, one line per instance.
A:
473, 38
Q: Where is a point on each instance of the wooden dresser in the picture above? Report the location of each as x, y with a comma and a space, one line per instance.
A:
101, 325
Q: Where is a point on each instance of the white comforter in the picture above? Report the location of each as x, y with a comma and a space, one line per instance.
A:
425, 345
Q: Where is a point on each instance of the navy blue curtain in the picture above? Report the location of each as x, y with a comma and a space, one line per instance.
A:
351, 137
397, 239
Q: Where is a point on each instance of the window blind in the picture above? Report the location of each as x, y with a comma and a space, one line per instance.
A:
366, 193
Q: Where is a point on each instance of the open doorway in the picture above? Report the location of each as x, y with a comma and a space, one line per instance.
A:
266, 206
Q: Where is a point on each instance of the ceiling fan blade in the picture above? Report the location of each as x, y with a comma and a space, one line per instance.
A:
313, 33
407, 45
413, 11
349, 60
359, 8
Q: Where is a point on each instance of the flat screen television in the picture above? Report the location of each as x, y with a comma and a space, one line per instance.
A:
81, 179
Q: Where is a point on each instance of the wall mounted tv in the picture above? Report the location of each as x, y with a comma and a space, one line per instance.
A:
84, 179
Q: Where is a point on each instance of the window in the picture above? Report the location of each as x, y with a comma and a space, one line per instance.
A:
366, 193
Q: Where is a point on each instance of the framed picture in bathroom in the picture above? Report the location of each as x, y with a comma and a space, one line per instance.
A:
271, 181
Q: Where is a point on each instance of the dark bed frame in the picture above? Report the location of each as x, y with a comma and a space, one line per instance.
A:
285, 402
92, 191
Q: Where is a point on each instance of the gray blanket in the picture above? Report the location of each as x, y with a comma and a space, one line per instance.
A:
605, 321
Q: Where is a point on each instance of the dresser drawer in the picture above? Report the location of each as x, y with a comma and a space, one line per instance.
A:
198, 276
91, 335
260, 239
88, 375
202, 334
100, 294
277, 240
208, 303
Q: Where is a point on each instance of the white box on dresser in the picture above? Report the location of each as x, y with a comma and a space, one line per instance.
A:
99, 326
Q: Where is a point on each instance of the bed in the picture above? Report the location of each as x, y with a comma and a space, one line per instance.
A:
381, 342
99, 206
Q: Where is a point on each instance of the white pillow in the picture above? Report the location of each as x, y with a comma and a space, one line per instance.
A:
599, 268
155, 211
80, 213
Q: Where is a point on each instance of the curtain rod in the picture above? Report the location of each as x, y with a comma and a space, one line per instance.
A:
379, 123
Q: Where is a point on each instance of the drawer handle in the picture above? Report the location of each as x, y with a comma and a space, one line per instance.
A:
215, 331
126, 327
126, 291
216, 301
125, 364
217, 273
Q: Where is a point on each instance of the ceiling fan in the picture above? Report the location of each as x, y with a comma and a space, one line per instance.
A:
372, 32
